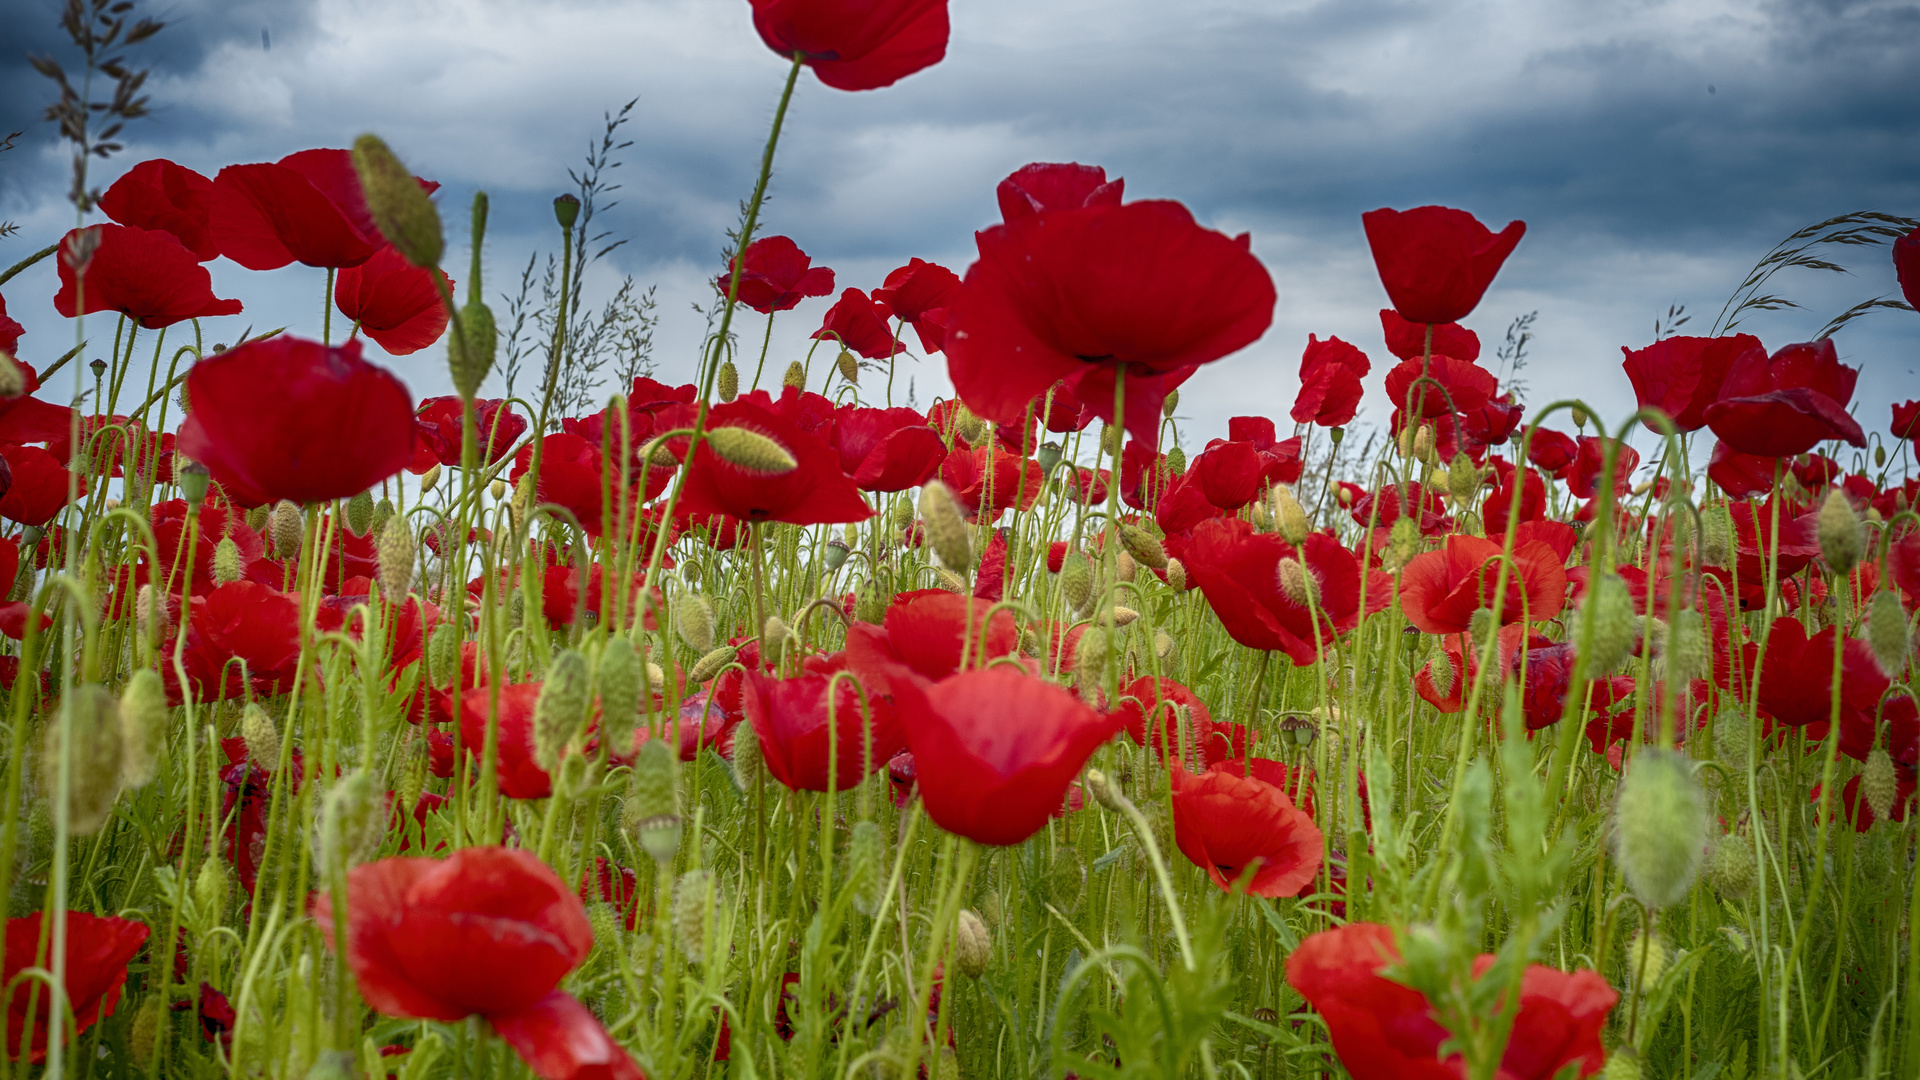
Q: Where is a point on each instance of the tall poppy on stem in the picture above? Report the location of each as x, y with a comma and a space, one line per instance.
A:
790, 719
1787, 403
142, 274
776, 275
856, 44
1436, 262
393, 301
1236, 817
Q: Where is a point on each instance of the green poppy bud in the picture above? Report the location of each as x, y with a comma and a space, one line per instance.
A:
848, 367
972, 943
1615, 625
395, 554
1143, 546
262, 737
1660, 820
400, 207
1732, 871
796, 376
653, 801
692, 911
92, 714
946, 529
1076, 580
1887, 633
286, 526
1878, 784
143, 727
560, 712
1840, 533
864, 870
751, 450
729, 381
620, 678
360, 513
709, 665
353, 821
693, 618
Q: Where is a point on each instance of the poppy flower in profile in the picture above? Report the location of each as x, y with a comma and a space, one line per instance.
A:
145, 275
856, 44
924, 636
1234, 818
521, 777
987, 481
1906, 266
995, 749
99, 948
776, 275
1787, 403
1681, 376
1330, 374
919, 293
1589, 462
10, 330
293, 419
1906, 420
488, 932
39, 488
1408, 340
1078, 295
1462, 386
437, 432
306, 208
1229, 474
1436, 262
1147, 707
1440, 590
1267, 593
790, 720
886, 449
1044, 186
1740, 475
168, 198
860, 325
815, 493
393, 301
1551, 451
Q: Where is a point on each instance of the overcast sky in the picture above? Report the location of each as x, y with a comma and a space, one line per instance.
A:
1655, 150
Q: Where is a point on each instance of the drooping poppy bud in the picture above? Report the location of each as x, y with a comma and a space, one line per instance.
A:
693, 618
1143, 546
620, 678
286, 527
1614, 625
92, 715
795, 377
400, 207
360, 513
709, 665
1289, 517
946, 529
1646, 958
143, 727
1660, 819
560, 712
262, 737
653, 802
729, 387
1840, 532
692, 910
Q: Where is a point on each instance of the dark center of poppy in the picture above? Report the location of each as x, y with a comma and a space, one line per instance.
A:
1106, 358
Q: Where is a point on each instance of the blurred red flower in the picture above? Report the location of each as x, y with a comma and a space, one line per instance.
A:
1906, 418
98, 952
857, 323
395, 302
987, 481
1235, 817
217, 522
521, 777
856, 44
1681, 376
924, 636
1589, 461
886, 449
1906, 266
790, 719
10, 330
40, 485
169, 198
1076, 295
1740, 475
1436, 262
1786, 403
1330, 374
437, 432
1408, 340
27, 419
1553, 451
919, 293
307, 208
142, 274
244, 621
1497, 509
1044, 186
815, 493
1440, 590
1260, 586
1463, 386
776, 275
292, 419
996, 749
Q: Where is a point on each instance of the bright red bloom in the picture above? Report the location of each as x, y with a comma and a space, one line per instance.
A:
10, 330
1906, 266
437, 432
860, 324
1436, 263
1440, 590
1245, 576
816, 493
790, 719
1229, 474
307, 208
38, 491
886, 449
924, 636
292, 419
1408, 340
1232, 818
521, 777
395, 302
1463, 386
776, 275
988, 481
1552, 451
98, 952
919, 293
856, 45
1787, 403
1075, 295
240, 621
1151, 701
145, 275
1498, 505
1906, 416
1044, 186
651, 405
169, 198
1379, 510
1583, 476
1681, 376
27, 419
1330, 374
488, 931
1798, 672
1740, 475
572, 476
995, 749
1281, 460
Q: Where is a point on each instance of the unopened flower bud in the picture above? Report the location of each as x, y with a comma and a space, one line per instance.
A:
946, 529
1163, 645
228, 567
1463, 479
864, 850
1660, 820
750, 450
443, 655
1102, 790
652, 812
398, 204
773, 637
1123, 616
1840, 533
143, 1038
1732, 871
692, 909
1878, 784
1176, 575
796, 376
620, 677
1296, 581
286, 527
693, 618
1110, 436
560, 712
353, 821
1887, 633
360, 513
1622, 1064
1124, 567
430, 479
729, 381
92, 715
470, 353
1686, 654
212, 887
395, 553
1076, 580
1090, 662
1403, 543
870, 601
748, 766
1289, 517
1611, 638
709, 665
1879, 456
972, 944
1143, 546
143, 727
1579, 417
848, 366
262, 737
1646, 958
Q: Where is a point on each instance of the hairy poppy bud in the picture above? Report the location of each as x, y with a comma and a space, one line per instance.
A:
143, 1038
1878, 784
92, 715
353, 822
1622, 1064
1879, 457
972, 944
751, 450
1076, 581
560, 712
1730, 737
729, 381
1716, 539
692, 908
1162, 645
430, 479
211, 888
773, 637
849, 367
1144, 546
443, 654
1887, 632
400, 208
1660, 819
227, 564
1403, 543
1732, 871
620, 677
262, 737
1048, 455
150, 612
1646, 958
946, 529
710, 664
360, 513
747, 763
1289, 517
1580, 418
1686, 652
903, 514
1614, 629
470, 353
1296, 581
796, 376
870, 602
382, 511
1840, 533
566, 209
1174, 463
143, 727
1090, 662
286, 528
1463, 479
863, 867
395, 552
1101, 788
1123, 616
1124, 567
653, 801
693, 618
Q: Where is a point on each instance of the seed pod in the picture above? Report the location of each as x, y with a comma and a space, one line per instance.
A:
143, 1038
353, 822
653, 801
946, 529
863, 867
710, 664
692, 907
1296, 581
560, 712
747, 763
262, 737
93, 715
1646, 958
395, 553
1887, 633
430, 479
835, 555
1878, 784
566, 210
286, 528
693, 618
227, 565
795, 377
1090, 662
398, 204
620, 677
143, 727
1289, 517
1614, 623
972, 945
1143, 546
729, 381
1732, 871
1048, 455
1076, 580
1840, 533
360, 513
1176, 575
1660, 819
750, 450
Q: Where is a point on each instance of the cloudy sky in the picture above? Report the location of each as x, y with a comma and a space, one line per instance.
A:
1655, 150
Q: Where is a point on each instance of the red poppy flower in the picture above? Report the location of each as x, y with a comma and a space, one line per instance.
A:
1077, 294
1408, 340
1797, 545
1181, 508
1797, 674
919, 293
1681, 376
395, 302
1282, 460
1260, 586
1786, 403
859, 324
145, 275
1463, 386
27, 419
1906, 265
307, 208
240, 621
1145, 475
521, 777
1552, 451
10, 330
437, 432
169, 198
1232, 818
924, 636
790, 719
1379, 510
988, 481
1385, 1030
1149, 700
776, 275
1490, 424
563, 602
815, 493
995, 749
39, 487
574, 475
1436, 263
1498, 505
1583, 475
1330, 374
1043, 186
886, 449
1740, 475
856, 45
292, 419
1440, 590
489, 932
1906, 417
1229, 474
650, 405
98, 952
